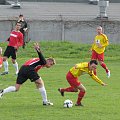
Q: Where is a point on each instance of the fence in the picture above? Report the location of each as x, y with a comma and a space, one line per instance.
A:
61, 29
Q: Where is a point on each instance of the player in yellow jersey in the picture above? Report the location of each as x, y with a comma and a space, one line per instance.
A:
98, 47
75, 84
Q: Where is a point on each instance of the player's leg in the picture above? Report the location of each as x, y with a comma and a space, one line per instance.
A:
80, 95
15, 64
73, 81
10, 89
94, 57
1, 62
20, 80
6, 55
101, 61
40, 85
68, 89
5, 63
14, 56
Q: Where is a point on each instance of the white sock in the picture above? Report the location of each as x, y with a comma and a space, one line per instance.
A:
43, 94
16, 67
9, 89
5, 65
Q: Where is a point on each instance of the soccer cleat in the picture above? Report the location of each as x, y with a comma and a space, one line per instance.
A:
48, 103
4, 73
1, 93
79, 104
108, 74
62, 93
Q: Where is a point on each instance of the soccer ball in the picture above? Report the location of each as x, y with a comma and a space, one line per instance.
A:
68, 103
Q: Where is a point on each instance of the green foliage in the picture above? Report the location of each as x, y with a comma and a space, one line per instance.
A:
101, 103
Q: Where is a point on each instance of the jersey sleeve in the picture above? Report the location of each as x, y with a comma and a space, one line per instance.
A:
79, 66
105, 40
42, 59
95, 78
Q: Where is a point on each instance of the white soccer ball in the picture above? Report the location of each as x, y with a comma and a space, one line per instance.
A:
68, 103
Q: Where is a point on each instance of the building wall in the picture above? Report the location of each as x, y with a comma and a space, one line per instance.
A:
75, 31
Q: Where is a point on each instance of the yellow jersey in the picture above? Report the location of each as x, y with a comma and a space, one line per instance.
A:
82, 68
100, 39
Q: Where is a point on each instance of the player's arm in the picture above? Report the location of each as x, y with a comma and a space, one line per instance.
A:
92, 46
42, 59
95, 78
20, 41
106, 43
105, 40
25, 27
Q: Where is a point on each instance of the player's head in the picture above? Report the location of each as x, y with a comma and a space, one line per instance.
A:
21, 17
18, 25
50, 62
93, 64
99, 30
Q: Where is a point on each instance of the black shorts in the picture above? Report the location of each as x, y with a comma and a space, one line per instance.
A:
10, 51
27, 72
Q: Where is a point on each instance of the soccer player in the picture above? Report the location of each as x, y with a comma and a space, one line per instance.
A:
75, 85
29, 71
98, 47
15, 41
1, 59
23, 28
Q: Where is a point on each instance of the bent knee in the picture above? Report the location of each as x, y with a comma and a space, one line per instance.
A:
83, 89
75, 90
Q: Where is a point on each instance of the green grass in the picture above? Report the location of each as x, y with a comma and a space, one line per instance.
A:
101, 103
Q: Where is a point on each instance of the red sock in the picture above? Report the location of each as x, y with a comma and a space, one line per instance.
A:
80, 96
104, 66
69, 89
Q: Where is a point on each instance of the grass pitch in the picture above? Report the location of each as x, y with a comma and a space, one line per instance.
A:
101, 103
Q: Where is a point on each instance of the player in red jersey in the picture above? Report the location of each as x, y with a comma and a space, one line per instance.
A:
1, 59
29, 71
15, 41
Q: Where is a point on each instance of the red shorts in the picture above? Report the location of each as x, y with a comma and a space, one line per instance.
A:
73, 81
96, 56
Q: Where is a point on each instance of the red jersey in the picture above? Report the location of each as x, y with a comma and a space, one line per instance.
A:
16, 39
35, 63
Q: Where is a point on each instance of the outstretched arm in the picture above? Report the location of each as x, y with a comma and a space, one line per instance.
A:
42, 59
95, 78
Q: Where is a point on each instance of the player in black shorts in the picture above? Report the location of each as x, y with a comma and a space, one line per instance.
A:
10, 51
14, 42
29, 71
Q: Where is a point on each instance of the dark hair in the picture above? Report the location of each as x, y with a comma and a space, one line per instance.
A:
20, 15
94, 61
18, 22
